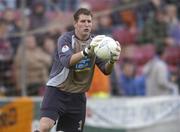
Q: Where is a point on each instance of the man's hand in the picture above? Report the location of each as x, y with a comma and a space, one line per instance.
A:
95, 41
88, 51
115, 54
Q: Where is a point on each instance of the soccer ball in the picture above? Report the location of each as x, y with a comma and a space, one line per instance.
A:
105, 47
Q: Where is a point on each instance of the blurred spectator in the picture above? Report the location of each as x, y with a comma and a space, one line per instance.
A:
126, 33
7, 4
37, 62
157, 76
130, 85
145, 11
11, 4
2, 5
85, 4
174, 77
38, 19
52, 5
49, 46
68, 5
128, 18
173, 25
95, 25
14, 25
157, 4
6, 53
116, 19
155, 30
124, 17
174, 35
63, 5
53, 33
114, 76
174, 2
14, 39
178, 76
104, 25
171, 14
9, 17
28, 3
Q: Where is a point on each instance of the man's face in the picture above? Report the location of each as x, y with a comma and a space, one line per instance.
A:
83, 26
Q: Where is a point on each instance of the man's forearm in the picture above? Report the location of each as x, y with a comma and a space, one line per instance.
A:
75, 58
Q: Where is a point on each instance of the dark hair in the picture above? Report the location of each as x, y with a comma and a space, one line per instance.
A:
159, 50
81, 11
128, 61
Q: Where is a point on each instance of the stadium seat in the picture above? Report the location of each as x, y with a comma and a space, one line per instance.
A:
172, 68
124, 36
139, 54
99, 5
172, 55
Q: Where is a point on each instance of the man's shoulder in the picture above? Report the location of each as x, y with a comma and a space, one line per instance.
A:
67, 36
159, 64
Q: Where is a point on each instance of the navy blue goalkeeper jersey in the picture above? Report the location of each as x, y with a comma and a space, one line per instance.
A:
76, 78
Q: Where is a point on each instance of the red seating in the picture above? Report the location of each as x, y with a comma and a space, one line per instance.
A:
139, 54
124, 36
99, 5
172, 55
172, 68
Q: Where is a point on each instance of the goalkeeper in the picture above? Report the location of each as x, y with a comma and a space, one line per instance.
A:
71, 75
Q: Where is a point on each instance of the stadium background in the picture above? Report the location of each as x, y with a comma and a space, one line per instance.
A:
20, 94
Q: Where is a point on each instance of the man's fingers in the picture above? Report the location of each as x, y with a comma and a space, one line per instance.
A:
118, 48
115, 52
97, 40
115, 58
117, 43
100, 36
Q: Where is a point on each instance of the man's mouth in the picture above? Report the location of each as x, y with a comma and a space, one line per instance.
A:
86, 30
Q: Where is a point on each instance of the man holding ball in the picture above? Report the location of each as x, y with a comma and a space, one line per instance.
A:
71, 75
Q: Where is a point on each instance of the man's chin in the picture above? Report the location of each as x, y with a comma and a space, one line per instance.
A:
86, 33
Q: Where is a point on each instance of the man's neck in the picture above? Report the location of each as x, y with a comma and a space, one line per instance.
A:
81, 37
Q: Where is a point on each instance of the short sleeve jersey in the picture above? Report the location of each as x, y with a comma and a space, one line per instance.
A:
76, 78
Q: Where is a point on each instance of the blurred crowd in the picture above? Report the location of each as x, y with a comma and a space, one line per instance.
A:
148, 30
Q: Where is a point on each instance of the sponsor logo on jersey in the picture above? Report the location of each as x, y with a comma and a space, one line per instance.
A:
84, 64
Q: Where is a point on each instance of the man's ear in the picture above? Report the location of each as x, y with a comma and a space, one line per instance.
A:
74, 24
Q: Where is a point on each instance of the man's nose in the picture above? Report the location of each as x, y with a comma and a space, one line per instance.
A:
86, 23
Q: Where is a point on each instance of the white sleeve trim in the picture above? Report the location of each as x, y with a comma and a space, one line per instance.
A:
59, 78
